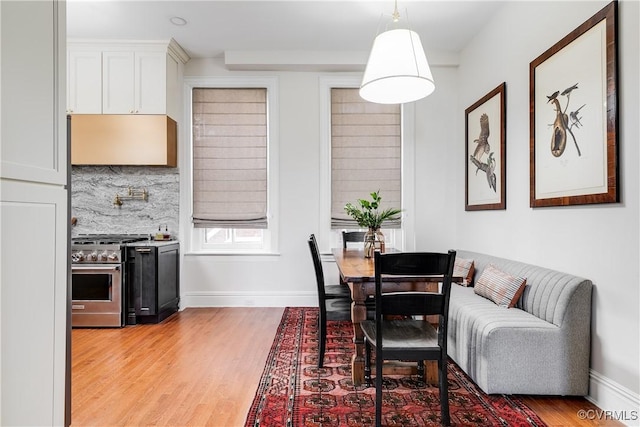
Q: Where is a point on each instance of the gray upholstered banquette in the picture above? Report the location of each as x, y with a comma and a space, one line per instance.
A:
541, 346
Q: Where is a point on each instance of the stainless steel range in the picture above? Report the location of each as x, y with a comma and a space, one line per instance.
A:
97, 281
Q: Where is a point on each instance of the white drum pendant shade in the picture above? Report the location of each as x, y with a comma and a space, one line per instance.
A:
397, 70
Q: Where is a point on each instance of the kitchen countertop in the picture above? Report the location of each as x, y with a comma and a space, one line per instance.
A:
154, 243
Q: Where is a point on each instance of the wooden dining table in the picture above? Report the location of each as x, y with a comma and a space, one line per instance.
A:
358, 273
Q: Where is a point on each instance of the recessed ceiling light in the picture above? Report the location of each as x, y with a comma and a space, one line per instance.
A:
176, 20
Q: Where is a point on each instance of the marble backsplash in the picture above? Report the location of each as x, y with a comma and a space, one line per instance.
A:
94, 188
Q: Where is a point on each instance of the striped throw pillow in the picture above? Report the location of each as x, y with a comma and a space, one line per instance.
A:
464, 268
500, 287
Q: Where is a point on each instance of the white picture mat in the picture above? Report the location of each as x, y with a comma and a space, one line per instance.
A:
478, 190
583, 61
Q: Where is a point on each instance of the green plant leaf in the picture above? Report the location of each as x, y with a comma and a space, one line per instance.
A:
368, 215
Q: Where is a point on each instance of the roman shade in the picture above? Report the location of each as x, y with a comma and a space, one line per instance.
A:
229, 157
365, 154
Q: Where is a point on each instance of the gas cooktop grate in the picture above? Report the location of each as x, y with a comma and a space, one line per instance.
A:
108, 239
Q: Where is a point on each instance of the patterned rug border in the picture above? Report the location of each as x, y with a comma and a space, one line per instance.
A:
280, 391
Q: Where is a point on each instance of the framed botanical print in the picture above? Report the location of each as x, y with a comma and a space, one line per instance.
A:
573, 117
485, 152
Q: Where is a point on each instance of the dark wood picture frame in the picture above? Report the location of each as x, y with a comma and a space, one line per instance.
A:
485, 152
573, 143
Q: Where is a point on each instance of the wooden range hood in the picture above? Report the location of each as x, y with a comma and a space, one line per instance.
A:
123, 139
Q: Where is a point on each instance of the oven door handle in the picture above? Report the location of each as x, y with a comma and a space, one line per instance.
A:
95, 268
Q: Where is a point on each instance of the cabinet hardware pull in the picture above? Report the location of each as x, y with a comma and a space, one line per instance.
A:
143, 250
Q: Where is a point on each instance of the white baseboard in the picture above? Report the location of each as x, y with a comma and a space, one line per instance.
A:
617, 402
248, 299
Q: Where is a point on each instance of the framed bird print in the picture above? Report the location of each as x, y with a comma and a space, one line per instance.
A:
573, 117
485, 152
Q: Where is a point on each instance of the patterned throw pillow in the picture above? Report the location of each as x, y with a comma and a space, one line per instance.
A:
464, 268
500, 287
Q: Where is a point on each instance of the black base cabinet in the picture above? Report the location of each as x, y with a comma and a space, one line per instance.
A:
153, 288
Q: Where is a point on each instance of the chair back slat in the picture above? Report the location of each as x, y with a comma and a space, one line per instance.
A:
412, 303
414, 263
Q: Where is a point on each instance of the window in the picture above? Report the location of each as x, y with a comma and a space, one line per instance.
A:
232, 189
365, 147
365, 154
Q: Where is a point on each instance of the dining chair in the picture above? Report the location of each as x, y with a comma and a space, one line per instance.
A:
352, 236
409, 335
334, 301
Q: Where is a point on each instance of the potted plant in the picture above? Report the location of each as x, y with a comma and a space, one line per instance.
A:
368, 215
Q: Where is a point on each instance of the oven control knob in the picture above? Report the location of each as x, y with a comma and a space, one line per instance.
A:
77, 257
113, 256
104, 256
93, 256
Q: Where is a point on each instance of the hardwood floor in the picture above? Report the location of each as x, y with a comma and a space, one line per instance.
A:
200, 367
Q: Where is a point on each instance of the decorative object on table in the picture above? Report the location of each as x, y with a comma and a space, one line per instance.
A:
294, 391
485, 152
573, 116
397, 70
369, 215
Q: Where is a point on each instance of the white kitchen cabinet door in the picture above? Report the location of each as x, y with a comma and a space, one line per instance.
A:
33, 343
84, 84
33, 71
150, 83
118, 79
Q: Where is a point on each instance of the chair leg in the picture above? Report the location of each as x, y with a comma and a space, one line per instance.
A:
378, 388
322, 331
420, 369
367, 363
444, 391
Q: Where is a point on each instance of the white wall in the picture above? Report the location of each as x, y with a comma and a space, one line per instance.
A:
288, 278
599, 242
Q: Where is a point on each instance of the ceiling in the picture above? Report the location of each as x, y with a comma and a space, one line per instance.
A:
214, 27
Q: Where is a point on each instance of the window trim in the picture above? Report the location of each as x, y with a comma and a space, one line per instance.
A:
328, 238
194, 237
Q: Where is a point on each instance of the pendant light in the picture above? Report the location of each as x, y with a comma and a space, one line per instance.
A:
397, 70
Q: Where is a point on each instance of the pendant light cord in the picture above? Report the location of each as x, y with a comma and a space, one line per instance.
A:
395, 15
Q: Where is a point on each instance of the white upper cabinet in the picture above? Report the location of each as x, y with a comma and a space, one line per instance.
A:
150, 83
124, 78
118, 83
84, 88
134, 83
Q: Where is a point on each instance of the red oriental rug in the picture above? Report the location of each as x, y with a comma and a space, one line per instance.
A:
293, 392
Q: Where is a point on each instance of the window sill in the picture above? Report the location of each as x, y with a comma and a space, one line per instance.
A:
232, 254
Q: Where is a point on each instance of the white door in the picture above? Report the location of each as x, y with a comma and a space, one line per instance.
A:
34, 325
